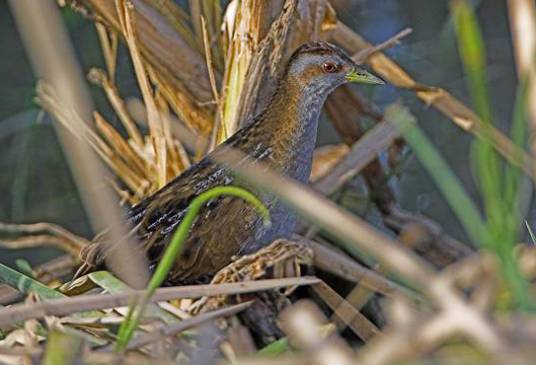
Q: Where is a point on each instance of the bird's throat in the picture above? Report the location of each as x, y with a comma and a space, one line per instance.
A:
290, 123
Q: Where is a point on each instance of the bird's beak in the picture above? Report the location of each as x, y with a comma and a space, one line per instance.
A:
364, 77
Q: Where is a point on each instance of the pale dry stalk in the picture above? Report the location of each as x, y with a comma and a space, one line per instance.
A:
241, 27
523, 25
156, 134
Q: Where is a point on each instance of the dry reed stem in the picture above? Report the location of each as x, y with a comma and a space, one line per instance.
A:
61, 307
332, 260
49, 99
218, 122
211, 12
363, 152
43, 240
123, 150
131, 162
523, 24
356, 299
178, 130
156, 135
364, 54
266, 63
178, 19
325, 158
171, 330
347, 313
50, 229
243, 32
98, 77
438, 98
109, 42
177, 157
164, 42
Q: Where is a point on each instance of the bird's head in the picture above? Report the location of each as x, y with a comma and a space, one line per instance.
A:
321, 67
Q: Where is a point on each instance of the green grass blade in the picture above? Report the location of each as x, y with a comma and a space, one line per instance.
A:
499, 191
275, 348
112, 285
26, 284
486, 164
444, 178
472, 52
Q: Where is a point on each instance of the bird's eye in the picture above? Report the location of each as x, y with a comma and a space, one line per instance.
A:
330, 67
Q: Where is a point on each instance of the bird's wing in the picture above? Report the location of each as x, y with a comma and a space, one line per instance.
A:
156, 217
161, 212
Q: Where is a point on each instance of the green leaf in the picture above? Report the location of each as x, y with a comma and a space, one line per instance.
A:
447, 182
111, 284
24, 267
275, 348
25, 284
62, 349
499, 186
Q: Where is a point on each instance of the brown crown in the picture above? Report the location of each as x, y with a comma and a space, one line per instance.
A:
319, 48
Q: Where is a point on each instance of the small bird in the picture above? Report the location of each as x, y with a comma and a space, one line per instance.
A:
282, 136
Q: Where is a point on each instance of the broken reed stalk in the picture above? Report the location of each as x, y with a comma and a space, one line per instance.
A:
219, 120
109, 42
156, 134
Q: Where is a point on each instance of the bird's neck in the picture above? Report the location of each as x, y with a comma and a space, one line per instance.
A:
288, 127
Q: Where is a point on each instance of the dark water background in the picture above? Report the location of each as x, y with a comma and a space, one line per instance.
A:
35, 183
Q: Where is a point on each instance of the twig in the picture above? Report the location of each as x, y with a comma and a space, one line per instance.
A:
108, 42
62, 307
331, 260
364, 54
50, 228
214, 88
126, 14
364, 151
185, 324
359, 324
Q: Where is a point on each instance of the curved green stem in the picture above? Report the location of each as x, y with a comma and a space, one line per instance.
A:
173, 250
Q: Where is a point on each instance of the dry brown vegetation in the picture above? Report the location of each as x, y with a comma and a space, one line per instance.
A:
199, 74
